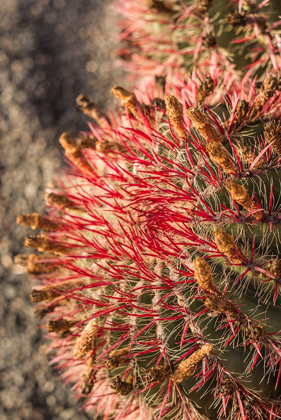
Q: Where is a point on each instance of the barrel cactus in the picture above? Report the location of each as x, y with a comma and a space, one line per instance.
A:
158, 259
174, 37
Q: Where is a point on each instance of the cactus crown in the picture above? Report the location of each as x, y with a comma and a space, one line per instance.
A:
159, 262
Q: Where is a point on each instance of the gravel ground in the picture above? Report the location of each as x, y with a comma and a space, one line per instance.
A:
50, 51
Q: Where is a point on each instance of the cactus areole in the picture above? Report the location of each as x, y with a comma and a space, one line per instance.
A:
159, 258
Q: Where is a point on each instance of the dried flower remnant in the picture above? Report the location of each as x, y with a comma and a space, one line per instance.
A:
60, 200
220, 305
87, 141
157, 374
269, 87
209, 41
36, 221
87, 380
221, 157
42, 243
117, 358
272, 130
33, 264
121, 387
60, 326
246, 153
226, 245
206, 88
237, 19
274, 268
226, 388
74, 152
187, 367
175, 114
249, 409
241, 112
48, 293
242, 19
203, 7
129, 101
203, 124
240, 194
255, 332
87, 340
203, 275
89, 108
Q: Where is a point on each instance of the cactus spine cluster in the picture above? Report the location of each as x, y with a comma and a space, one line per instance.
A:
159, 260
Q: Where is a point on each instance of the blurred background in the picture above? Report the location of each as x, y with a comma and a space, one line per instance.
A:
50, 51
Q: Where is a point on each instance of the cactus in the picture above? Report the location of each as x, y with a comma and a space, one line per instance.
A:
159, 258
173, 37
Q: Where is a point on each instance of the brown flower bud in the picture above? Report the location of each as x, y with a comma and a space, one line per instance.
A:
87, 340
226, 388
226, 245
69, 144
87, 141
39, 295
31, 262
205, 88
261, 100
23, 259
74, 152
60, 200
55, 290
35, 221
221, 306
255, 332
240, 195
220, 156
89, 108
158, 374
188, 366
175, 114
121, 387
246, 153
242, 110
272, 131
274, 268
203, 124
60, 326
209, 41
203, 7
269, 86
128, 100
203, 275
117, 358
87, 380
109, 146
237, 19
43, 243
